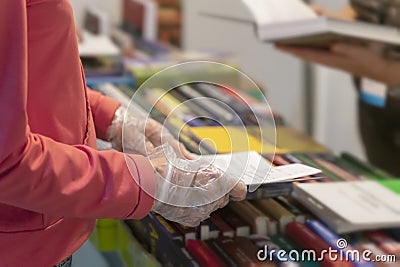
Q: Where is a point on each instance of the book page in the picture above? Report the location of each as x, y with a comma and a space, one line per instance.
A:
253, 169
272, 11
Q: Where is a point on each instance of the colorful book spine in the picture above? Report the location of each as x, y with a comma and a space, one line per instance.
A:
288, 246
385, 242
221, 252
160, 242
242, 251
251, 215
203, 254
300, 216
277, 211
93, 82
224, 227
370, 171
234, 221
267, 249
337, 243
301, 235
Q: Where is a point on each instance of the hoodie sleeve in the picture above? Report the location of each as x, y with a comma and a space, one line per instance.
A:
45, 176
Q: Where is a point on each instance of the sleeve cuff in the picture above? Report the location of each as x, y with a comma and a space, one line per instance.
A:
145, 179
103, 110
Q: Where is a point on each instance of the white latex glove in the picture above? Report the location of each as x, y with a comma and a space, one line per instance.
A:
141, 135
189, 191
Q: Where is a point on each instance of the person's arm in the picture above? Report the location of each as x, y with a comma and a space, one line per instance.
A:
41, 175
103, 110
357, 60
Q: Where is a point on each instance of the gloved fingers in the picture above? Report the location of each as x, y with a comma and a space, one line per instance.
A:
158, 136
224, 201
153, 130
136, 143
238, 192
205, 176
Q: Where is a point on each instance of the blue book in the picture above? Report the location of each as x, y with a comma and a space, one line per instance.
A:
161, 242
337, 243
128, 80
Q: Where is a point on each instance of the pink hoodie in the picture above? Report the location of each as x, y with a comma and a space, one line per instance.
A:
53, 182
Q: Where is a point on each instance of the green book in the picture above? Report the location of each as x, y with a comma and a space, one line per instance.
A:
364, 168
310, 162
393, 185
287, 245
119, 247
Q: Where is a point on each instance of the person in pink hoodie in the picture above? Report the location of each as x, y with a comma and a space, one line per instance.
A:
53, 181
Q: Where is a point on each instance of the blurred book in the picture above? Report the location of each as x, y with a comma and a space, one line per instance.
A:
114, 241
140, 17
292, 22
158, 239
322, 32
233, 139
99, 55
351, 206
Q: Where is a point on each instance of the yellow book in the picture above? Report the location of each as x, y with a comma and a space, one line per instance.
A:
289, 139
233, 139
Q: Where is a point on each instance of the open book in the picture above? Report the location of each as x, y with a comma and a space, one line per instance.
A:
292, 22
255, 171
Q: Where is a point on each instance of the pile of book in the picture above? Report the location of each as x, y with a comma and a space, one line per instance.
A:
350, 200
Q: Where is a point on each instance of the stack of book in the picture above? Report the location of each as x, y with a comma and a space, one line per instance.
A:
349, 200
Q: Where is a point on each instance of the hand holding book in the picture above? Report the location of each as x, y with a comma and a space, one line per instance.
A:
189, 191
355, 59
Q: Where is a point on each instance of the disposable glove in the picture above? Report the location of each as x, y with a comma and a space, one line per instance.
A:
189, 191
141, 135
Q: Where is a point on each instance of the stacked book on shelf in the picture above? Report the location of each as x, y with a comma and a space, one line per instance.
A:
349, 200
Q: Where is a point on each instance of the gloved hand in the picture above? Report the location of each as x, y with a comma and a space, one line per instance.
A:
141, 135
189, 191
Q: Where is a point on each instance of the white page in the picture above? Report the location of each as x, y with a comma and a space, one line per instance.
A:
253, 169
97, 45
272, 11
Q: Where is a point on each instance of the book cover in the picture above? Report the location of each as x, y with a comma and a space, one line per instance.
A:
351, 206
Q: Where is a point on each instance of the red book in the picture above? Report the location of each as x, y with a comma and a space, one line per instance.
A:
242, 251
376, 252
305, 238
225, 228
384, 242
203, 254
